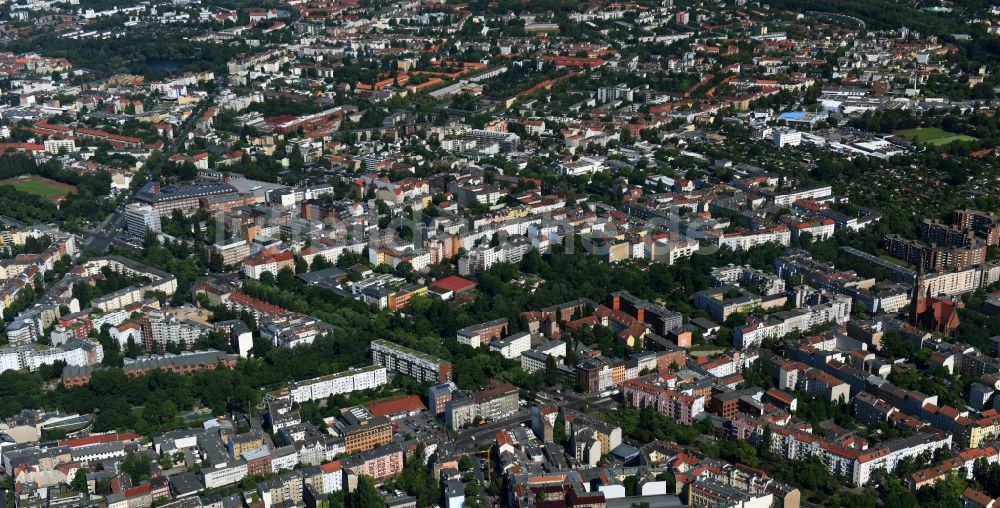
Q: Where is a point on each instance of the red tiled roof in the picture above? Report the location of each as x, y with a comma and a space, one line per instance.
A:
103, 438
454, 283
976, 496
331, 467
28, 147
396, 406
107, 135
782, 396
570, 61
138, 491
257, 304
52, 127
281, 119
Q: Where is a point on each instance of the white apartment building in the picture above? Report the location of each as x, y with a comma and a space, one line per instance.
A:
736, 241
952, 283
139, 218
98, 452
584, 166
284, 459
534, 360
858, 466
787, 198
786, 137
669, 251
255, 268
482, 258
819, 230
159, 281
512, 346
333, 476
77, 353
73, 356
837, 309
54, 146
161, 330
331, 251
226, 474
320, 388
10, 359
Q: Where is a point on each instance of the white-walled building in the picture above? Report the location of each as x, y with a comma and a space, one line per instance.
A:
786, 137
512, 347
140, 218
348, 381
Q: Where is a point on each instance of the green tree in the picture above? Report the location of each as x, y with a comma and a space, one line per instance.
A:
79, 482
267, 278
137, 466
417, 480
286, 279
465, 463
551, 371
365, 495
319, 263
559, 431
631, 485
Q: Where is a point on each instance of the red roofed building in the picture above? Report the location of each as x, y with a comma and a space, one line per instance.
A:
574, 62
333, 476
932, 313
267, 260
627, 328
114, 139
679, 406
281, 119
52, 129
966, 459
21, 147
821, 229
137, 492
397, 408
258, 308
782, 399
125, 437
973, 498
453, 283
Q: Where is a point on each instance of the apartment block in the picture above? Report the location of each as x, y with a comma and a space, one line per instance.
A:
483, 333
363, 434
936, 258
494, 402
419, 366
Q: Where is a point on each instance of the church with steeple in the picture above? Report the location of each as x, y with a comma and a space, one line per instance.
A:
931, 313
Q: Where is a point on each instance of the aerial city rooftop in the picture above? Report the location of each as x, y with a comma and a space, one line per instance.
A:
519, 254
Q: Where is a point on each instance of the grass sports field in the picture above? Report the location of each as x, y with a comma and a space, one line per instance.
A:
933, 136
40, 186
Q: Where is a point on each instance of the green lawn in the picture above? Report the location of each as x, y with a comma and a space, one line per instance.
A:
39, 187
933, 136
949, 139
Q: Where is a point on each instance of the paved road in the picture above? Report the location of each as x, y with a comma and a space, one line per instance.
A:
100, 237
